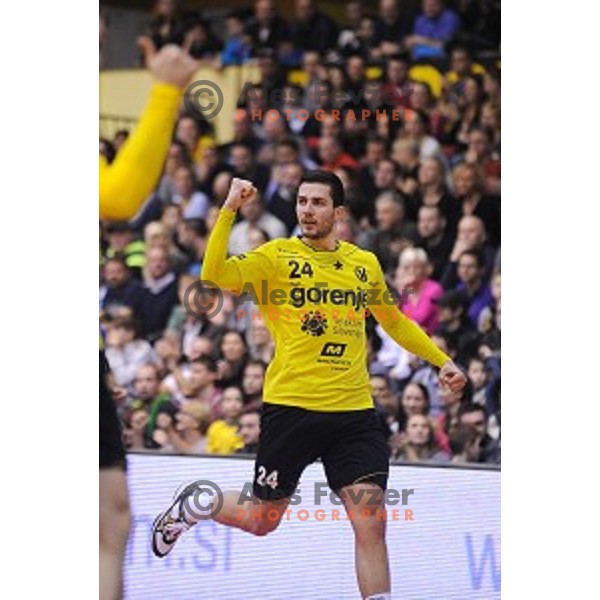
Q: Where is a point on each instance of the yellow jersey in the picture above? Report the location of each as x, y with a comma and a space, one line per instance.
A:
315, 304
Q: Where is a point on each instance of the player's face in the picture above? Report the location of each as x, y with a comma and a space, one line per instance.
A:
315, 211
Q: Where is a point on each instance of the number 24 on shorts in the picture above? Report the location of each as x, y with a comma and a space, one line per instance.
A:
264, 479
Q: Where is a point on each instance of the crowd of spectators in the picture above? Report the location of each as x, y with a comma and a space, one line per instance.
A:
422, 193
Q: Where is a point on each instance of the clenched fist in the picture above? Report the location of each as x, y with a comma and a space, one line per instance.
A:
452, 377
240, 192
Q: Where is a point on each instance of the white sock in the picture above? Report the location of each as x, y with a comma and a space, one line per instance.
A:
387, 596
198, 507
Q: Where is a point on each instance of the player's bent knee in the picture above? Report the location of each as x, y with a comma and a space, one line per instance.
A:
264, 527
268, 522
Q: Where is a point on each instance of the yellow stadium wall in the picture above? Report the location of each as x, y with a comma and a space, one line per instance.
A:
123, 95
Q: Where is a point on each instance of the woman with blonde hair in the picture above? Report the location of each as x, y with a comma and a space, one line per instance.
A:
418, 293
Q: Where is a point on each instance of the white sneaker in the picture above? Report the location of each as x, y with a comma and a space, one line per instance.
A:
170, 524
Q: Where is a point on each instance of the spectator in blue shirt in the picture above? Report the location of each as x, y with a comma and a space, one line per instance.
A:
434, 27
472, 282
238, 48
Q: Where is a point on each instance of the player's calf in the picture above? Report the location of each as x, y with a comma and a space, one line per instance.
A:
258, 517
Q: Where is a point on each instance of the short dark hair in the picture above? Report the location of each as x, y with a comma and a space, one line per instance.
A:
333, 181
400, 57
473, 359
291, 143
374, 138
208, 362
256, 362
470, 407
476, 255
243, 145
198, 226
458, 47
460, 437
118, 257
489, 134
252, 411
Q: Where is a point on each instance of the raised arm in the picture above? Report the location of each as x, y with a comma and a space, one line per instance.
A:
128, 181
408, 334
232, 273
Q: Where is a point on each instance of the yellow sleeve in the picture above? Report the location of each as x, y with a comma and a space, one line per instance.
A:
403, 331
128, 181
232, 273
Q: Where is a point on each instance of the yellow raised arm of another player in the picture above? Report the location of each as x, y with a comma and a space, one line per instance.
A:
128, 181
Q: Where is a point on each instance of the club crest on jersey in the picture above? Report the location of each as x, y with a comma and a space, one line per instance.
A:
361, 273
314, 323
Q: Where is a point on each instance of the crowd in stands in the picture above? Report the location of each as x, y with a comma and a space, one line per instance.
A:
423, 194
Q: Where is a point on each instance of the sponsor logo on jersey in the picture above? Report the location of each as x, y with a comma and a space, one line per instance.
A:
361, 273
331, 349
314, 323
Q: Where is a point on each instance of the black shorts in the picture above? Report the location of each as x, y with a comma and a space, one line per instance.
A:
112, 452
352, 446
